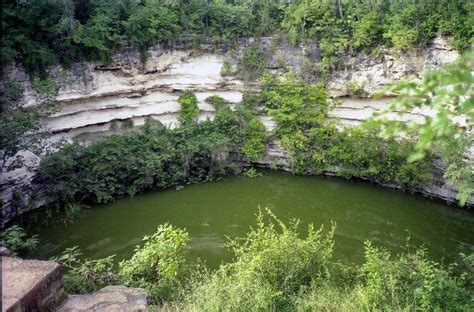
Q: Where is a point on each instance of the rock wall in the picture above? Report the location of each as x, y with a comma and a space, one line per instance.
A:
97, 100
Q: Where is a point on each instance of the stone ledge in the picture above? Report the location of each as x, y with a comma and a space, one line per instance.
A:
110, 298
30, 285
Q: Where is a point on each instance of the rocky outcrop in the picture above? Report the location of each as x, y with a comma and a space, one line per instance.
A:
30, 285
97, 100
108, 299
33, 285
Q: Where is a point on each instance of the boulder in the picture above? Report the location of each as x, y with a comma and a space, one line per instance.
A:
30, 285
110, 299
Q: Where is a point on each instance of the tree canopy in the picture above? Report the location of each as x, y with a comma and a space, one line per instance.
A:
42, 33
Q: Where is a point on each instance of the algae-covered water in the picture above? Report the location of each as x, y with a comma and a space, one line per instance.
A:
214, 210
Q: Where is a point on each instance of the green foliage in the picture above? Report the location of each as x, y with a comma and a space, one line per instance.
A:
17, 240
355, 89
159, 265
409, 27
226, 69
251, 173
264, 274
155, 156
97, 38
42, 33
189, 112
367, 32
85, 275
361, 153
448, 92
276, 268
408, 282
390, 282
254, 136
229, 21
316, 145
151, 23
342, 28
252, 63
123, 165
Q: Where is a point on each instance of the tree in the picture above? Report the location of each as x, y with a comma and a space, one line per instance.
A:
149, 24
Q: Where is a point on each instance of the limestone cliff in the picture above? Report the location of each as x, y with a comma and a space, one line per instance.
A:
97, 100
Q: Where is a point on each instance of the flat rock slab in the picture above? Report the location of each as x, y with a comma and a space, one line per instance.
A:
110, 298
30, 285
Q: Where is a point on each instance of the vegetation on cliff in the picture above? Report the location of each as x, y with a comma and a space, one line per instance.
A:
42, 33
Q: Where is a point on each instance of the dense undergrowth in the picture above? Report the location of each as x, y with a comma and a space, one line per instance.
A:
42, 33
275, 268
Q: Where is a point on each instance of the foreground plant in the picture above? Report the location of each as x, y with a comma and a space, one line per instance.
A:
85, 275
17, 240
159, 265
277, 268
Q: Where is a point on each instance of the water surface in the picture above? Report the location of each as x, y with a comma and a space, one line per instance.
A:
212, 211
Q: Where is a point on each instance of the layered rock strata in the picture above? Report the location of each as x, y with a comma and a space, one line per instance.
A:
97, 100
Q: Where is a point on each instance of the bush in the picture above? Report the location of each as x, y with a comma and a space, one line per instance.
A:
367, 32
85, 275
251, 173
408, 282
226, 69
254, 137
17, 240
189, 112
252, 63
264, 274
159, 265
316, 145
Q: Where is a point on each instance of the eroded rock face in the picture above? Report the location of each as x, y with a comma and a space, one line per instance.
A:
30, 285
108, 299
97, 100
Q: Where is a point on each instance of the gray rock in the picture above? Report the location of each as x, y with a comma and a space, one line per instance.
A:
4, 252
30, 285
110, 298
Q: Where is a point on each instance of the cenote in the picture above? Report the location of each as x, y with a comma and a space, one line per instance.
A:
212, 211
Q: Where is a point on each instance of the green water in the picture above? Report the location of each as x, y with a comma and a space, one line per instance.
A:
212, 211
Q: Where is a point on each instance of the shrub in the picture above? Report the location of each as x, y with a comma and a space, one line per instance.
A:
367, 32
252, 63
355, 89
85, 275
254, 139
17, 240
251, 173
275, 268
189, 112
408, 282
264, 274
159, 265
226, 69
